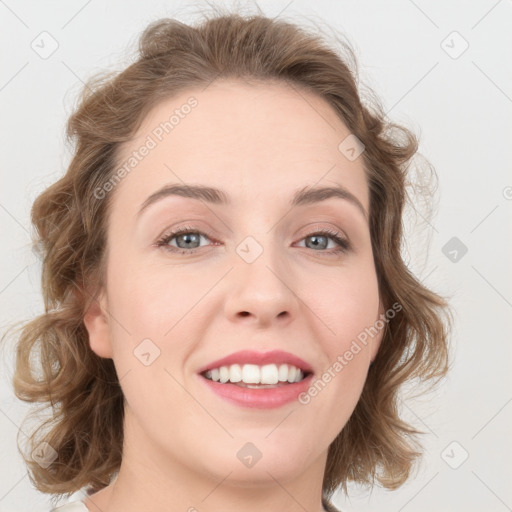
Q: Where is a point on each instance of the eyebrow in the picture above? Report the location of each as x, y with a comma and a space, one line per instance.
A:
212, 195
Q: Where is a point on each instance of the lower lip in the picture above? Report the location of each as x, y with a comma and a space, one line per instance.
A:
265, 398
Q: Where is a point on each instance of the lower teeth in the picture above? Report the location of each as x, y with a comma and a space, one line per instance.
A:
254, 386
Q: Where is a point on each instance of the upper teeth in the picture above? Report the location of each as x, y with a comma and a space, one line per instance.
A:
254, 374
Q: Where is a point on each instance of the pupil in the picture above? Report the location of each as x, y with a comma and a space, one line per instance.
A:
187, 238
315, 240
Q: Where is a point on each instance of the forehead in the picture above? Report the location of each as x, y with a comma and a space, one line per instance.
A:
257, 140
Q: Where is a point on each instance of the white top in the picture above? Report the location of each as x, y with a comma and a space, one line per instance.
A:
74, 506
79, 506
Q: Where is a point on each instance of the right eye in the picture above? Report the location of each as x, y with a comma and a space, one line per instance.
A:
186, 236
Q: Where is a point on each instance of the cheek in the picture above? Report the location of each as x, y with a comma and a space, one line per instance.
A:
151, 299
348, 309
155, 311
147, 338
347, 302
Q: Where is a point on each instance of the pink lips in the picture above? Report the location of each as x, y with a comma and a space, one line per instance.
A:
260, 358
268, 398
264, 398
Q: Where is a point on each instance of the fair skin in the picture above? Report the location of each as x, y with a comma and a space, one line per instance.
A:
258, 143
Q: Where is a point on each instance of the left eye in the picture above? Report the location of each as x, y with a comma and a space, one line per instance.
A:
187, 240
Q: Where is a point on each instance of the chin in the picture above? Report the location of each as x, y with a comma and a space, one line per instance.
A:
255, 463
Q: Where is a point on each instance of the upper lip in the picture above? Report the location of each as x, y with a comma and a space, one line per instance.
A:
259, 358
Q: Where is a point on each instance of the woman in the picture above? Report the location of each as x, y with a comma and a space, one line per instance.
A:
228, 316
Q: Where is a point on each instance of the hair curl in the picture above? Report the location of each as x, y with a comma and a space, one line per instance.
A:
86, 426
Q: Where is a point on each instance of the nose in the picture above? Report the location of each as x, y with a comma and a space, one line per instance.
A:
261, 291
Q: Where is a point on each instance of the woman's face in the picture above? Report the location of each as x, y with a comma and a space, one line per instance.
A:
252, 274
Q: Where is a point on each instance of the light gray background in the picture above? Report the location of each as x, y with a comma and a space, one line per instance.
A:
460, 104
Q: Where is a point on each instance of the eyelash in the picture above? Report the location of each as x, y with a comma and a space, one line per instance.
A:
343, 244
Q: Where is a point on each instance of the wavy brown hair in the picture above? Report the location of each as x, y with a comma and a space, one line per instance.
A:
86, 424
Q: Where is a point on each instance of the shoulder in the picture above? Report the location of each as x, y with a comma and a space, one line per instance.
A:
75, 506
